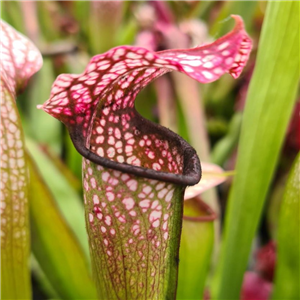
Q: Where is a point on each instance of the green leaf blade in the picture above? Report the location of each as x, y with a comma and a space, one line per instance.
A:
55, 246
269, 105
67, 199
196, 247
287, 270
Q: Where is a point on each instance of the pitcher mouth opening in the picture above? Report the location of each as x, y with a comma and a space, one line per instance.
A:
191, 168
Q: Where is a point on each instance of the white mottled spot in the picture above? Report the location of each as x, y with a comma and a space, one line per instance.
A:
111, 140
162, 193
136, 229
110, 196
91, 217
125, 85
104, 67
225, 53
128, 149
154, 204
144, 204
151, 155
156, 223
165, 225
130, 142
120, 158
238, 57
105, 176
218, 71
156, 167
117, 133
154, 215
113, 181
128, 135
149, 56
111, 152
160, 186
100, 151
122, 219
147, 189
107, 220
125, 177
193, 63
229, 60
141, 195
103, 229
132, 213
188, 69
133, 55
169, 196
223, 46
119, 144
128, 202
132, 184
208, 65
207, 75
93, 183
96, 199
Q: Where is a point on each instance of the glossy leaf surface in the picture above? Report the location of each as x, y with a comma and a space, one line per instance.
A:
19, 61
270, 100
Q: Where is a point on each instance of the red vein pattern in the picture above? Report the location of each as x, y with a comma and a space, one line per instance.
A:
19, 61
130, 221
102, 98
134, 223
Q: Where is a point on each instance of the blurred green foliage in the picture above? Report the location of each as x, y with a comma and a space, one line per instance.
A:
68, 33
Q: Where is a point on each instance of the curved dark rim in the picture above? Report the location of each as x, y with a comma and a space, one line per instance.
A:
191, 172
211, 215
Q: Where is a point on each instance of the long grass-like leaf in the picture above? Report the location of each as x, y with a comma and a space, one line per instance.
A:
195, 250
55, 246
269, 105
287, 270
68, 200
